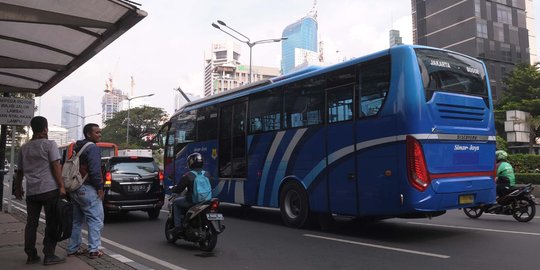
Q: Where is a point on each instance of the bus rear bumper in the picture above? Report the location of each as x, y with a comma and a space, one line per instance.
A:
456, 193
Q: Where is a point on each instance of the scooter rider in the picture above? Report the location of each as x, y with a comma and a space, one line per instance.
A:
505, 173
195, 162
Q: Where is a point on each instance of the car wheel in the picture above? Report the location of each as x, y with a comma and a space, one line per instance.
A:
154, 213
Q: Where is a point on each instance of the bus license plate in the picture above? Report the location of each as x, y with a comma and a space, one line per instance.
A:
466, 199
214, 216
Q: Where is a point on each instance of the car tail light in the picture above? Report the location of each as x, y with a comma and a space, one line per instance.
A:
108, 179
416, 165
161, 177
214, 206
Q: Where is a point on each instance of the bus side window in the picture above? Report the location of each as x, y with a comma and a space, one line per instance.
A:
304, 103
265, 112
207, 123
339, 94
374, 84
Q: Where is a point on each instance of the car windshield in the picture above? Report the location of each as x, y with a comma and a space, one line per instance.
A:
134, 167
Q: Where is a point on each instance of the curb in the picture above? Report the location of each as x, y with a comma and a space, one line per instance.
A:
109, 260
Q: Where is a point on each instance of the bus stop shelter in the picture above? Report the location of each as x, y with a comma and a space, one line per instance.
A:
44, 41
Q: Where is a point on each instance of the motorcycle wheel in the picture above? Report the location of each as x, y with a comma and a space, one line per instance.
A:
474, 212
524, 210
209, 243
168, 235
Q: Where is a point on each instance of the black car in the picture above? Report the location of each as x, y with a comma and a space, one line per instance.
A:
132, 183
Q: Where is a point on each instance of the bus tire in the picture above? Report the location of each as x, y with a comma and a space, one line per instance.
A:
294, 205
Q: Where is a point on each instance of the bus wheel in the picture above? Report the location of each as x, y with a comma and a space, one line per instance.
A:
294, 205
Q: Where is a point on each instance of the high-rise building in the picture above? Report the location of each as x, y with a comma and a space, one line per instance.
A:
223, 71
494, 31
72, 112
226, 53
301, 34
59, 135
111, 103
395, 38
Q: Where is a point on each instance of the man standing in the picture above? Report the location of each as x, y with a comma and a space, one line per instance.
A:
87, 200
39, 162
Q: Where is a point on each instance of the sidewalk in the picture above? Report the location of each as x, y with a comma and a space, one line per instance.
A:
12, 254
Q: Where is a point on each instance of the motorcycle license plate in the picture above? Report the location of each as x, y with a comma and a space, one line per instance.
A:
214, 216
466, 199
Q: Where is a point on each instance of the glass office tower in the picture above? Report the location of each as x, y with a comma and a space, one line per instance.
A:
300, 35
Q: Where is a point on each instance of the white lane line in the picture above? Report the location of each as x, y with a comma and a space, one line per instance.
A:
121, 258
142, 255
473, 228
128, 249
379, 246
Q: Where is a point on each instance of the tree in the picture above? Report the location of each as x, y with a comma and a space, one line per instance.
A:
144, 123
523, 93
523, 83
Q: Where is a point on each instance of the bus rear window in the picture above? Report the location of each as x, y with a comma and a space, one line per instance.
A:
450, 72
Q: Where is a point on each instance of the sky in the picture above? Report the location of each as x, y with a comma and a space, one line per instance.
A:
166, 49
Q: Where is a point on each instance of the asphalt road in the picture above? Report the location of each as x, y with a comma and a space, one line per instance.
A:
256, 239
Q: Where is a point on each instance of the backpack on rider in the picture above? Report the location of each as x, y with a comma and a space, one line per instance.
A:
202, 191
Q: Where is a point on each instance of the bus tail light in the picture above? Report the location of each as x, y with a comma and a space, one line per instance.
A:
416, 165
108, 179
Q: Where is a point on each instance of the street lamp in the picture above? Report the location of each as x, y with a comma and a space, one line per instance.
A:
247, 41
82, 117
129, 107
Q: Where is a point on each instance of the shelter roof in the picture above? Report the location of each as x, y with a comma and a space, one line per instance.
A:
43, 41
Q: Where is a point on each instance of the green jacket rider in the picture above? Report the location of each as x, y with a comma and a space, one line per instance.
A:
505, 173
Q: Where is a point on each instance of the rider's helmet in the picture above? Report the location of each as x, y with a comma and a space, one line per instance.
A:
195, 161
501, 155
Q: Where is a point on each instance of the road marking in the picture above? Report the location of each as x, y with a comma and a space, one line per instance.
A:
473, 228
120, 246
142, 255
379, 246
121, 258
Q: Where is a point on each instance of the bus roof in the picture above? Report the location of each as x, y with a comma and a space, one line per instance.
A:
288, 78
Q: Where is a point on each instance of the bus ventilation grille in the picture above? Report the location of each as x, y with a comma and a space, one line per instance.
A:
461, 112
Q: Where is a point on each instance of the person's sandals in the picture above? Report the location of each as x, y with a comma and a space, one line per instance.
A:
95, 254
79, 251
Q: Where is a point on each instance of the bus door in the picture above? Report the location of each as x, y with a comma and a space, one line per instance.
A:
340, 144
232, 163
377, 161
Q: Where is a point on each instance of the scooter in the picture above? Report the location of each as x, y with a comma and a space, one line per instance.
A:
202, 224
519, 203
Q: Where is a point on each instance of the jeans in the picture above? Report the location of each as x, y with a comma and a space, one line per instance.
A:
34, 203
87, 206
180, 204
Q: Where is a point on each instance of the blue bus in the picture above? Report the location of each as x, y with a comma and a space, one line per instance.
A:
404, 132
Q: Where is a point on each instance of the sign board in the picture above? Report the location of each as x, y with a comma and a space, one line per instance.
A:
16, 111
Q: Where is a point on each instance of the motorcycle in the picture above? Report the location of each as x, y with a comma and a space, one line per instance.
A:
519, 203
202, 224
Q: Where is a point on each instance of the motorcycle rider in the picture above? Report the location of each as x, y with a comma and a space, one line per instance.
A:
505, 173
195, 162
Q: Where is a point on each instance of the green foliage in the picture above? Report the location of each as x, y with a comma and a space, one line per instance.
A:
524, 163
143, 125
527, 178
502, 144
523, 83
